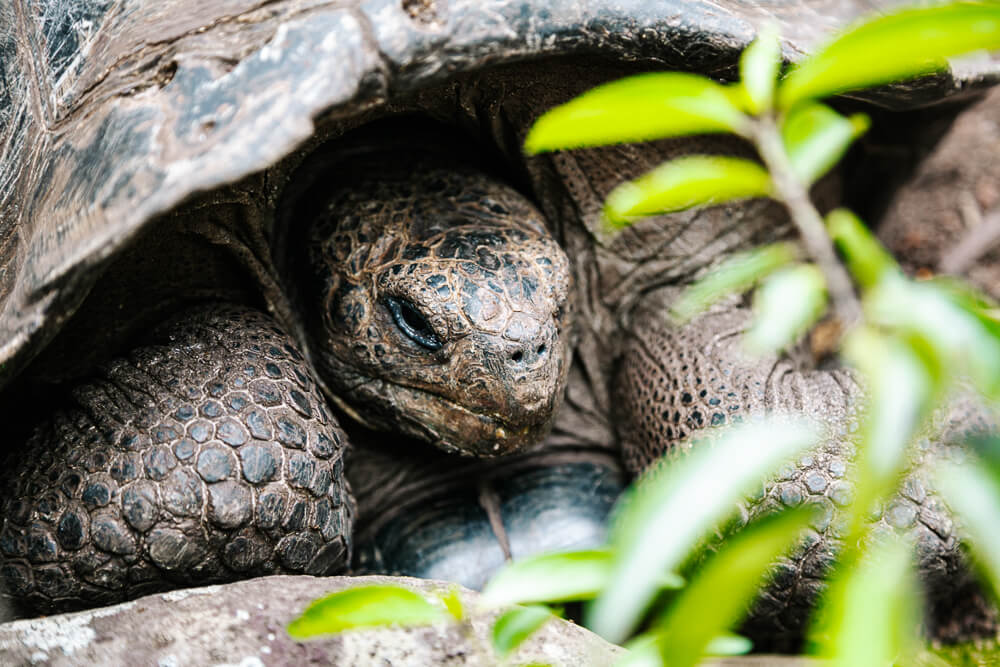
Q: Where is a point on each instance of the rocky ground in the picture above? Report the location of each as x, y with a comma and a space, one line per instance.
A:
243, 624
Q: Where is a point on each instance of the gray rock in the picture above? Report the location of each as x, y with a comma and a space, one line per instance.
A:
244, 624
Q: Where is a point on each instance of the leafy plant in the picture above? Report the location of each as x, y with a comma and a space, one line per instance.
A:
912, 343
366, 607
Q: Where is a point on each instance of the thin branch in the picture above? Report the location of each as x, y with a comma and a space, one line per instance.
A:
795, 196
982, 235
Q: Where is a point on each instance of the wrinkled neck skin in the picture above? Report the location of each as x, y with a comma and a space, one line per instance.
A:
438, 303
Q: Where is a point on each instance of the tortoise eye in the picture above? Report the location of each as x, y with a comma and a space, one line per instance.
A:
412, 323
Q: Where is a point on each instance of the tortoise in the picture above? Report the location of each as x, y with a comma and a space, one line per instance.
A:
239, 236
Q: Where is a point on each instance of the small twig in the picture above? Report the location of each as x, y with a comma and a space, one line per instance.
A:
490, 502
982, 234
969, 209
795, 196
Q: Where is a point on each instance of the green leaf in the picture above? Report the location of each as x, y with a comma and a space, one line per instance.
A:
785, 306
973, 493
987, 448
967, 340
638, 108
452, 601
759, 67
980, 306
966, 654
816, 137
899, 46
671, 510
670, 581
901, 382
696, 180
571, 575
866, 259
964, 294
642, 652
729, 645
362, 607
870, 613
736, 274
903, 375
720, 595
516, 625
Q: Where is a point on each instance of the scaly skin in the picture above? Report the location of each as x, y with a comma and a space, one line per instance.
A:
204, 455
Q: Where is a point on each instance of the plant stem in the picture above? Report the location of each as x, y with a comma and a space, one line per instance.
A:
795, 196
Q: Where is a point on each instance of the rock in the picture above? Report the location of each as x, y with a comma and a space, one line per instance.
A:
244, 624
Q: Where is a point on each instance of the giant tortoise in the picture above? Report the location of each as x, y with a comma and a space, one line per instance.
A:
237, 236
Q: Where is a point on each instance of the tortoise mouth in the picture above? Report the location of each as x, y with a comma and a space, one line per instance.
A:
456, 428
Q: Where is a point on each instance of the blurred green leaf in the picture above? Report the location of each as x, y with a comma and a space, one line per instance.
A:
735, 274
895, 47
785, 306
968, 341
967, 654
816, 137
866, 259
728, 645
901, 383
670, 511
516, 625
759, 67
670, 581
642, 652
965, 295
571, 575
987, 448
980, 306
974, 495
452, 601
721, 592
870, 614
638, 108
696, 180
365, 606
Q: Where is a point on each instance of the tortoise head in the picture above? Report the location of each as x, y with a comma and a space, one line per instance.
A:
443, 307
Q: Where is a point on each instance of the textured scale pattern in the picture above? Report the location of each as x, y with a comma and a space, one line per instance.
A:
207, 455
671, 389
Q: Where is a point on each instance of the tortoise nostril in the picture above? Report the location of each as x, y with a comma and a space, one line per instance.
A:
541, 349
517, 356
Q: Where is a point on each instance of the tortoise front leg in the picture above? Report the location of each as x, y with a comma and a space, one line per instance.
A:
675, 380
205, 455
